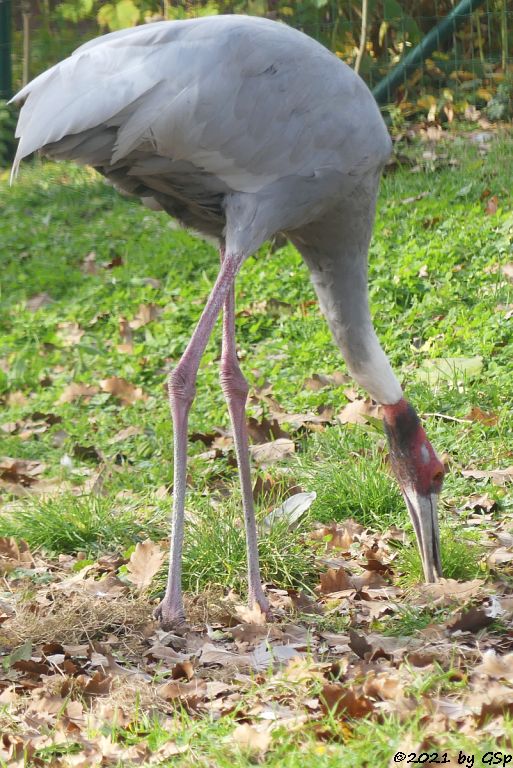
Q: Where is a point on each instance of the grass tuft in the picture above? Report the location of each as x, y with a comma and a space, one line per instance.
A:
215, 550
71, 524
461, 558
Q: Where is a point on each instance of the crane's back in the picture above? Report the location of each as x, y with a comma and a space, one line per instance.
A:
189, 115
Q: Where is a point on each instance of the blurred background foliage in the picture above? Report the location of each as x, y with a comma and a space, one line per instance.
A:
480, 50
472, 70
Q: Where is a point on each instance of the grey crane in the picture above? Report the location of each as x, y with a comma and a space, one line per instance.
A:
241, 127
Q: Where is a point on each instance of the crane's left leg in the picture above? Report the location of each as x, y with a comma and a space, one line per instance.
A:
182, 382
235, 388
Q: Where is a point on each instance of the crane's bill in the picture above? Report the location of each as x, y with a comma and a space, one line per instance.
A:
424, 515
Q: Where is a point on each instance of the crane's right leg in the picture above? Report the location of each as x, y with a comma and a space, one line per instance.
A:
181, 385
235, 389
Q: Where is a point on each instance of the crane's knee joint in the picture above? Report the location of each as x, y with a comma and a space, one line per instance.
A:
233, 382
181, 385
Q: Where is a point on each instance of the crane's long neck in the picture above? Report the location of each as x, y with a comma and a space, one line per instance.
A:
335, 251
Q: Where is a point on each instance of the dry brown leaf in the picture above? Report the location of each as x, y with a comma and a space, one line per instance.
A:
264, 430
471, 621
14, 554
145, 561
320, 380
344, 702
269, 453
448, 591
359, 645
253, 615
124, 434
190, 693
182, 671
507, 270
22, 472
16, 398
499, 556
497, 476
359, 412
496, 667
335, 580
99, 684
75, 390
126, 392
338, 535
218, 655
70, 333
492, 205
477, 414
145, 314
38, 301
480, 501
248, 738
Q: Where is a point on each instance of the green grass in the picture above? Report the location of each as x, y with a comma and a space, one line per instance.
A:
57, 214
89, 524
461, 554
436, 291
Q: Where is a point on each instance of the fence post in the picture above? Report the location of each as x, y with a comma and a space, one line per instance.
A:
5, 50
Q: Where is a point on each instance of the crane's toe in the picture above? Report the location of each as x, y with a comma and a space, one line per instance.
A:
257, 600
171, 619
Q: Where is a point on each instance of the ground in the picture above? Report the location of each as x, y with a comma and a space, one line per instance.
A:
363, 662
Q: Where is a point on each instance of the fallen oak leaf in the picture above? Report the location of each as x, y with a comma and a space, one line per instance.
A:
499, 556
75, 390
268, 453
498, 476
145, 561
248, 738
264, 430
477, 414
14, 553
448, 591
190, 693
338, 535
481, 501
97, 685
496, 667
320, 380
146, 313
364, 411
183, 670
335, 580
471, 621
125, 434
343, 702
70, 333
23, 472
126, 392
359, 645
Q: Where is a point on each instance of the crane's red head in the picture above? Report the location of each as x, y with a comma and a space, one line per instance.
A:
420, 475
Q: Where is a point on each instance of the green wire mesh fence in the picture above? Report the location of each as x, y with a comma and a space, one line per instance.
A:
477, 55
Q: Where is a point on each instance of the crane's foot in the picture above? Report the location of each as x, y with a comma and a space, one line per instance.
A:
257, 599
171, 618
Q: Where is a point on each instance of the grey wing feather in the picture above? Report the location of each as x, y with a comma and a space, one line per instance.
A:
249, 104
234, 95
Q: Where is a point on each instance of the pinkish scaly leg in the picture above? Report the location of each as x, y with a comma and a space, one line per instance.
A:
181, 386
235, 388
